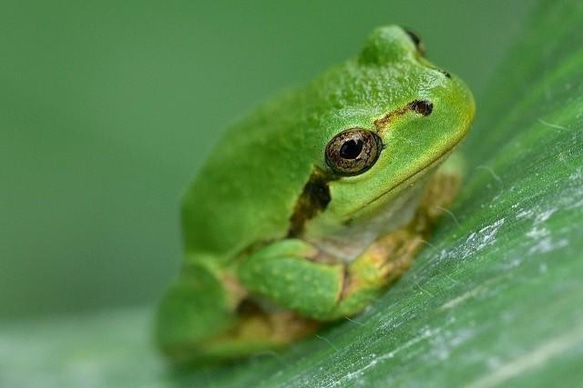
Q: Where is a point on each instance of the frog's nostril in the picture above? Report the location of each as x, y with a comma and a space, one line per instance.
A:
423, 107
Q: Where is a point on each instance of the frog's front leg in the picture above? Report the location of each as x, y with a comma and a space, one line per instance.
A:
295, 275
289, 272
195, 308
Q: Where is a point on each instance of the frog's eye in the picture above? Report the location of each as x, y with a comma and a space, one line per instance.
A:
353, 151
416, 40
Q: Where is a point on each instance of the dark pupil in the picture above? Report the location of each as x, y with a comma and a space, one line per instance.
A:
351, 149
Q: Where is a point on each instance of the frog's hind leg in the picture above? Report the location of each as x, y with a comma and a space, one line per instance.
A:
195, 307
204, 318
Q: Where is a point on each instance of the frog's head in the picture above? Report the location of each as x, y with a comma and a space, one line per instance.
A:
391, 117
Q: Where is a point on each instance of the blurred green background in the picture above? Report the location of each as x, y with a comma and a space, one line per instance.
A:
108, 108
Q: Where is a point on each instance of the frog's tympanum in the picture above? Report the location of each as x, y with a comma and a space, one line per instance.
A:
315, 202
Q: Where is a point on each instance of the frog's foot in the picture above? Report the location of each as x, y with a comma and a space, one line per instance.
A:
385, 260
257, 331
378, 267
391, 255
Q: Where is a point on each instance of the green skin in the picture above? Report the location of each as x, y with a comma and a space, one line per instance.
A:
253, 234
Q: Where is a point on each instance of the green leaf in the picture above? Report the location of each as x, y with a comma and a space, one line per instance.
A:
494, 300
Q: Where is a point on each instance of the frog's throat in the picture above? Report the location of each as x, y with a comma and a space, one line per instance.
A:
407, 180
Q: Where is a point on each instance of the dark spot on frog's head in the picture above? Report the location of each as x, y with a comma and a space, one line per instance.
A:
423, 107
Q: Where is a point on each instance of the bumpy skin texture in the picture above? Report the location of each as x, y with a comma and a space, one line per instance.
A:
268, 222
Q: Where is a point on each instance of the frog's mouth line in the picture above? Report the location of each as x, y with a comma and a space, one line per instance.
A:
406, 180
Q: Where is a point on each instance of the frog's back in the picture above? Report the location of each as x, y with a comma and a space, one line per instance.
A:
246, 190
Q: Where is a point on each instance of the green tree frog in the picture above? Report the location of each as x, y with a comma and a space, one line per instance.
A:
313, 204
